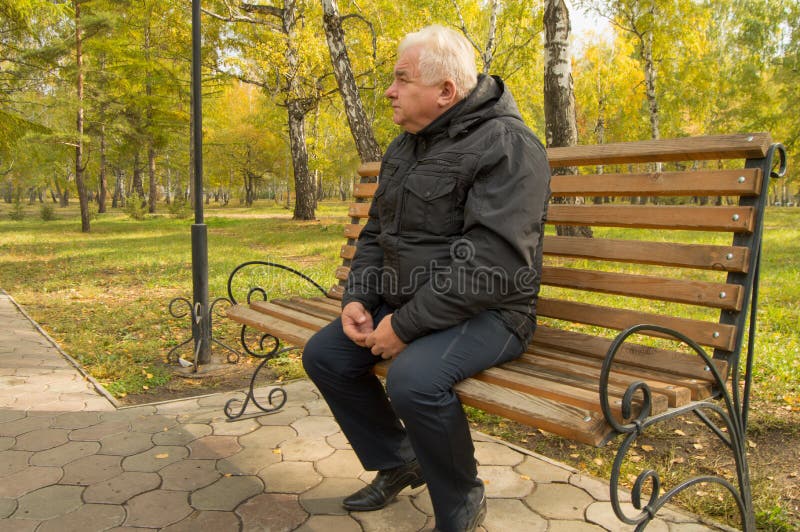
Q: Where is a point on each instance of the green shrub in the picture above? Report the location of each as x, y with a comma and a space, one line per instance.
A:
47, 212
136, 207
180, 209
17, 211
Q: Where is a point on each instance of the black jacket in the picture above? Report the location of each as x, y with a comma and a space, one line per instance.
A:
457, 220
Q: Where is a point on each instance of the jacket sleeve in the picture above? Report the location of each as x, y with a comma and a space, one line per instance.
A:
365, 269
499, 254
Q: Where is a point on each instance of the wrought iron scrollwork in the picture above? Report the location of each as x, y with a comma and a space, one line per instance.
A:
733, 417
197, 316
267, 345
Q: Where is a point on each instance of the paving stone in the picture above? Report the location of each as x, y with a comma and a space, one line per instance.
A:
181, 434
92, 469
342, 463
690, 527
99, 431
202, 415
338, 441
99, 403
276, 512
541, 471
489, 453
235, 428
12, 461
318, 408
29, 479
18, 525
398, 516
511, 515
156, 458
305, 449
248, 461
602, 514
87, 517
189, 475
118, 489
421, 499
559, 501
153, 423
157, 509
573, 526
205, 520
49, 502
226, 493
503, 481
7, 507
301, 391
64, 454
177, 407
596, 488
328, 523
290, 477
126, 443
76, 420
129, 414
315, 426
214, 447
218, 399
284, 416
64, 405
24, 425
267, 437
326, 497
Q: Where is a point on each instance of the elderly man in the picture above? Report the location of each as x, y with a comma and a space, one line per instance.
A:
444, 281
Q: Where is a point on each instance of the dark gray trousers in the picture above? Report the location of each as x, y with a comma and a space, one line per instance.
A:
420, 393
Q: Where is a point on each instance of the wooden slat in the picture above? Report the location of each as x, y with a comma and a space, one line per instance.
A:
336, 292
364, 190
733, 219
647, 357
714, 295
352, 230
322, 303
303, 306
565, 420
700, 331
744, 146
294, 334
696, 389
359, 210
707, 257
347, 252
587, 376
342, 273
370, 169
563, 390
309, 321
743, 182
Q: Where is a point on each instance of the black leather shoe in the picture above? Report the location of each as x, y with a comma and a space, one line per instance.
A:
475, 512
384, 488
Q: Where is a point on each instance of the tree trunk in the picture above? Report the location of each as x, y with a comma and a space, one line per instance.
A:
151, 166
559, 97
103, 192
79, 182
360, 127
303, 181
138, 185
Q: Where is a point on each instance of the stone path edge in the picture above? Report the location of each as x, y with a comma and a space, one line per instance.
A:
97, 386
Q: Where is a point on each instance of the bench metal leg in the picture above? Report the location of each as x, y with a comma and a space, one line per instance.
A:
729, 409
196, 317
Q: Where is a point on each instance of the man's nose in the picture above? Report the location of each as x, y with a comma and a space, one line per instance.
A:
390, 91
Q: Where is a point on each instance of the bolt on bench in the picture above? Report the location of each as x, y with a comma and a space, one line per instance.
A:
644, 321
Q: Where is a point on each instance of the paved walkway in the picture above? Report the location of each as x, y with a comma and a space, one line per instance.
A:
71, 460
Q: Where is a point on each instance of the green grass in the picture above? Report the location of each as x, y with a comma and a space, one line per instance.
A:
104, 297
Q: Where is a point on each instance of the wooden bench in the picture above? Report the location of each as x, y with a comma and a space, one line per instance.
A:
674, 255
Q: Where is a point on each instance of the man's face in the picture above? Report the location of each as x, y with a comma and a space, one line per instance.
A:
415, 105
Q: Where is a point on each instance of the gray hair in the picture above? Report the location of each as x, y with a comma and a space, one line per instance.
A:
443, 54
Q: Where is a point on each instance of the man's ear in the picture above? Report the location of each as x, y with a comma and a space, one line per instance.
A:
447, 94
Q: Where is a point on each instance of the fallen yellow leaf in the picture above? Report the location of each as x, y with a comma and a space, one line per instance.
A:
679, 432
648, 448
162, 455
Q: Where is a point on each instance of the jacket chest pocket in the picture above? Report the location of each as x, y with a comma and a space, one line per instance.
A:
433, 203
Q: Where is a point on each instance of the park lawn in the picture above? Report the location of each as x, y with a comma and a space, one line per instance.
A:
104, 295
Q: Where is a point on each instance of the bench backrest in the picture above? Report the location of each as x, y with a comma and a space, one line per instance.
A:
676, 232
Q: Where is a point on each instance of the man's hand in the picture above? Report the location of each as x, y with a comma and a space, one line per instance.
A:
384, 342
356, 322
